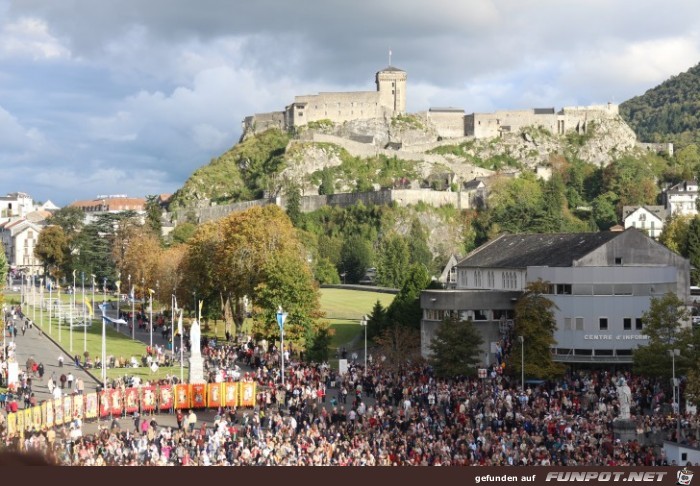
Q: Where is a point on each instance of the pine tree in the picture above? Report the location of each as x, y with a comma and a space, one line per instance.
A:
455, 348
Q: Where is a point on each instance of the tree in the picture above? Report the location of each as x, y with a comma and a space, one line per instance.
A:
694, 249
534, 320
327, 186
140, 258
398, 347
183, 232
294, 204
325, 272
52, 249
3, 277
317, 349
604, 212
405, 309
153, 214
455, 349
377, 320
355, 258
418, 245
664, 324
675, 234
392, 261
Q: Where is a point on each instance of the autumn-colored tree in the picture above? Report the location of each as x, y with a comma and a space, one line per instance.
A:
397, 346
535, 321
3, 275
168, 272
52, 249
140, 259
675, 234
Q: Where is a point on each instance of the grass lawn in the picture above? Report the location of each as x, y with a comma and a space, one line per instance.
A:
145, 373
351, 304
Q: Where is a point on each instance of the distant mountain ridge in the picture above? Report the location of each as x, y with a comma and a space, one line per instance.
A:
670, 112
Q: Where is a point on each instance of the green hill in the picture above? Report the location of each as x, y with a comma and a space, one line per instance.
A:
669, 112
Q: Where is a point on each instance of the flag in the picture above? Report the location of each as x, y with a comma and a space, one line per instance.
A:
179, 324
87, 304
103, 308
201, 303
151, 291
118, 283
131, 295
74, 275
175, 308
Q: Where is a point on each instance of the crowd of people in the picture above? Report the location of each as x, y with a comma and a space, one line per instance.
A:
378, 416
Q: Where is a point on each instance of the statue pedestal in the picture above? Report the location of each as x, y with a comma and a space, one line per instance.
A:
196, 373
624, 429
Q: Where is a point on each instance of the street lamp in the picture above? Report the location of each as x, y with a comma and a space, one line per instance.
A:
48, 281
82, 280
363, 323
72, 309
133, 309
93, 276
522, 362
41, 301
281, 317
676, 398
118, 284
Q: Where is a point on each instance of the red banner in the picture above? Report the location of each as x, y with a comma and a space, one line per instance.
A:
198, 394
115, 402
91, 408
131, 399
165, 397
215, 395
247, 398
230, 394
182, 396
105, 401
148, 398
67, 409
78, 406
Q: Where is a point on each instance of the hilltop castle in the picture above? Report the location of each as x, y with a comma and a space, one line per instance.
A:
389, 100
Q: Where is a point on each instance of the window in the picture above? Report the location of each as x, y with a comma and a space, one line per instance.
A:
638, 324
480, 315
477, 278
643, 217
563, 289
618, 260
579, 323
603, 323
567, 323
627, 323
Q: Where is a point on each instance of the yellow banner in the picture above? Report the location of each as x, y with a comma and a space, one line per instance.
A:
20, 423
58, 411
91, 409
67, 409
27, 419
247, 393
49, 413
36, 417
44, 407
12, 423
78, 403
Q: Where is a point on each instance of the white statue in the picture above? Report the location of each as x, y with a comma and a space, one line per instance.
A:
624, 397
195, 337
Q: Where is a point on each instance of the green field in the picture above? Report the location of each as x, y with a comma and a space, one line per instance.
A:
343, 308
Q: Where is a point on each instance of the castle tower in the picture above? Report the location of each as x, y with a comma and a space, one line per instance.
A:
391, 84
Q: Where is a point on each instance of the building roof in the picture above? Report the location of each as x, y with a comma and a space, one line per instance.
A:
536, 250
448, 109
392, 69
659, 211
473, 184
683, 187
111, 204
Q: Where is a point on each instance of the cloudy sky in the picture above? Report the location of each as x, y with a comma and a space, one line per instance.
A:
131, 96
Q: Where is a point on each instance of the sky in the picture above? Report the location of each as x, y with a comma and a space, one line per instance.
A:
131, 96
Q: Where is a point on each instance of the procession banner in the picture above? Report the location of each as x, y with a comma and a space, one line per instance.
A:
148, 399
105, 402
247, 393
215, 395
67, 409
27, 419
131, 399
12, 423
49, 413
36, 417
78, 406
20, 423
115, 402
230, 394
44, 408
165, 397
91, 407
182, 396
58, 411
198, 395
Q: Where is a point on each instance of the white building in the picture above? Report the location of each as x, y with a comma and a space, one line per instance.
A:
19, 237
111, 205
681, 198
601, 284
649, 219
15, 205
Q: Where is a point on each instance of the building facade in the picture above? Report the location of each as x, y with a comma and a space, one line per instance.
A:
601, 284
19, 237
682, 199
649, 219
110, 205
15, 205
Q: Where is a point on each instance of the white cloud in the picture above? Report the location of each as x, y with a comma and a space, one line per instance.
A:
30, 37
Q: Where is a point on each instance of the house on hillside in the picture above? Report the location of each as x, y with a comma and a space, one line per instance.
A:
448, 277
476, 192
19, 237
601, 284
682, 198
649, 219
111, 205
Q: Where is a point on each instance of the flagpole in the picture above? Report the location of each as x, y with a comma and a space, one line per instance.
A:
119, 296
41, 301
150, 320
92, 275
50, 303
82, 279
182, 356
71, 315
59, 313
172, 324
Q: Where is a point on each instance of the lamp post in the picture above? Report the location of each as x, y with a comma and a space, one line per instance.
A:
150, 319
522, 362
33, 298
58, 289
93, 276
281, 317
48, 281
118, 284
676, 398
41, 301
133, 309
104, 353
72, 309
363, 323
